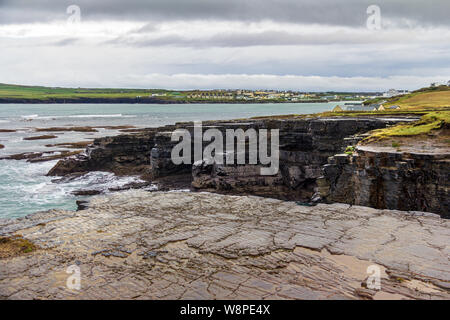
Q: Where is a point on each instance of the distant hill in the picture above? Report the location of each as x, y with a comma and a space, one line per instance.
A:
436, 97
39, 94
431, 97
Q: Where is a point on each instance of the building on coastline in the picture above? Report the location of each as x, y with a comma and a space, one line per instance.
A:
158, 95
393, 93
337, 109
360, 107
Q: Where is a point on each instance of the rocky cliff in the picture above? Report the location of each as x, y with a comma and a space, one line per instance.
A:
305, 146
309, 170
124, 155
389, 180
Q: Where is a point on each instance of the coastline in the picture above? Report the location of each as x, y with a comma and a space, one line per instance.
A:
315, 164
77, 124
144, 100
216, 244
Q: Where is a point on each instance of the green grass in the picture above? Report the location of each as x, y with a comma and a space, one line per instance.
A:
435, 97
15, 245
8, 91
349, 150
430, 122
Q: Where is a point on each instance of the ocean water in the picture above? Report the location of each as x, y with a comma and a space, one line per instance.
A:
25, 189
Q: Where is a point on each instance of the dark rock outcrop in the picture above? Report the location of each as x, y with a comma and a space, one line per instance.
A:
123, 155
311, 168
305, 146
389, 180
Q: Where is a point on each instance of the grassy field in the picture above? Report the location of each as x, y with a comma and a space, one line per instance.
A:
8, 91
429, 123
422, 99
433, 97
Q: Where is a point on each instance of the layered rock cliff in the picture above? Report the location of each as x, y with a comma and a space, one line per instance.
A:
124, 155
308, 172
389, 180
305, 146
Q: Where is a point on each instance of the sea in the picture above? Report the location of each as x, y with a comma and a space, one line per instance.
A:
24, 186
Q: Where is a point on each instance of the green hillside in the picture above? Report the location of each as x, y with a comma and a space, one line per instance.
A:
431, 97
8, 91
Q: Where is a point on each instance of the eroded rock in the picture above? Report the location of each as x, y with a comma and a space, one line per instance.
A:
389, 180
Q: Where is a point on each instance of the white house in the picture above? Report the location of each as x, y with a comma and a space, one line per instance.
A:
393, 92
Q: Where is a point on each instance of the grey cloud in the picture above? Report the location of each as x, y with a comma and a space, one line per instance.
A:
265, 38
151, 49
345, 12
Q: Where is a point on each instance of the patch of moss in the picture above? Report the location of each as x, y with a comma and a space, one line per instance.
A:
14, 246
349, 150
395, 144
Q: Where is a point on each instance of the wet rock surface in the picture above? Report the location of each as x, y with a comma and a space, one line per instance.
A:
158, 245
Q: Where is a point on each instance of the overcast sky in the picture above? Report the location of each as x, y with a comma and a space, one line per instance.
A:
306, 45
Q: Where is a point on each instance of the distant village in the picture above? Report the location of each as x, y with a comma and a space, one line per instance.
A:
264, 96
351, 101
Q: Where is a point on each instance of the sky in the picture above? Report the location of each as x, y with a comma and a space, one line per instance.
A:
302, 45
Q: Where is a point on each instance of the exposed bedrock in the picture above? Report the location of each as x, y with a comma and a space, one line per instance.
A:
376, 179
187, 245
389, 180
123, 155
305, 146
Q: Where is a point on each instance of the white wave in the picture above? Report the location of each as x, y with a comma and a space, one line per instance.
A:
77, 116
30, 117
180, 190
99, 180
118, 115
25, 188
5, 121
152, 187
